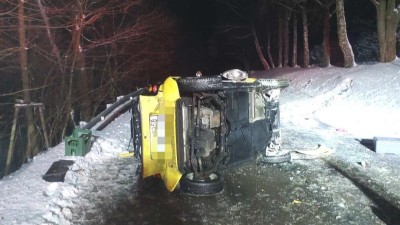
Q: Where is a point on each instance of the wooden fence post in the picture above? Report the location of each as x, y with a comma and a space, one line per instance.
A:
46, 139
12, 137
12, 142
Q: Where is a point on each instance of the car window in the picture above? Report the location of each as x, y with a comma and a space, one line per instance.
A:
257, 106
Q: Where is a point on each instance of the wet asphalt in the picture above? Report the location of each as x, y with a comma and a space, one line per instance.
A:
337, 189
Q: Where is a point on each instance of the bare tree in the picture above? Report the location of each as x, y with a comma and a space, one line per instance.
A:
388, 16
78, 66
280, 38
99, 35
286, 19
288, 9
294, 54
270, 58
326, 8
306, 50
52, 46
259, 52
32, 148
342, 33
326, 60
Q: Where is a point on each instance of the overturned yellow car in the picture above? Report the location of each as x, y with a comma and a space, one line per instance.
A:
188, 128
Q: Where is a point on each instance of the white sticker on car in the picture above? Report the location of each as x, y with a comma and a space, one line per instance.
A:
157, 133
161, 133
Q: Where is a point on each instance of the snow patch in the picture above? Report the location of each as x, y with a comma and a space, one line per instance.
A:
51, 189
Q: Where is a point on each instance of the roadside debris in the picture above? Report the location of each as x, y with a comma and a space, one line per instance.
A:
57, 171
387, 145
362, 163
296, 202
126, 154
321, 151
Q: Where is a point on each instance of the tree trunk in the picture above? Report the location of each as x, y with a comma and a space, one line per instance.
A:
271, 60
326, 59
280, 37
306, 49
381, 27
82, 81
55, 49
259, 52
32, 148
342, 33
62, 112
294, 56
392, 21
77, 86
388, 16
286, 38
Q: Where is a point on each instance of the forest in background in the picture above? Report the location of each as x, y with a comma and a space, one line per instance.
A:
77, 56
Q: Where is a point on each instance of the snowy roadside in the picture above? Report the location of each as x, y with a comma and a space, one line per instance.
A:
97, 182
362, 101
346, 106
23, 199
28, 199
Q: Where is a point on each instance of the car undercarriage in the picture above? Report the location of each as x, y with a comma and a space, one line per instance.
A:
211, 123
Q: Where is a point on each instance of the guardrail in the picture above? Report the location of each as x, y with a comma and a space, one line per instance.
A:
112, 109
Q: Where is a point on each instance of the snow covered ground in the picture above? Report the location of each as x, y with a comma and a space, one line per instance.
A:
27, 199
362, 102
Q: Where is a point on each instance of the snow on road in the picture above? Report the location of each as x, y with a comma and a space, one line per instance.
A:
362, 101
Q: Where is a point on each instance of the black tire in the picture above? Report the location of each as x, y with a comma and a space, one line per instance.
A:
275, 158
196, 84
211, 186
273, 83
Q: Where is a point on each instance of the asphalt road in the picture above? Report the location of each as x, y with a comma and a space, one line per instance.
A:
352, 186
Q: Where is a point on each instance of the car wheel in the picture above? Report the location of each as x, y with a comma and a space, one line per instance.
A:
210, 186
195, 84
279, 158
273, 83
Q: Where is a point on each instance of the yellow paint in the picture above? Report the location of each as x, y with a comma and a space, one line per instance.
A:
160, 158
126, 155
249, 80
296, 202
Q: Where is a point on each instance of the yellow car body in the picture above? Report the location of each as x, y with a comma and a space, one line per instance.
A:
159, 134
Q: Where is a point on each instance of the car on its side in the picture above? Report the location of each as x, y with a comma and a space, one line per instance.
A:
188, 128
